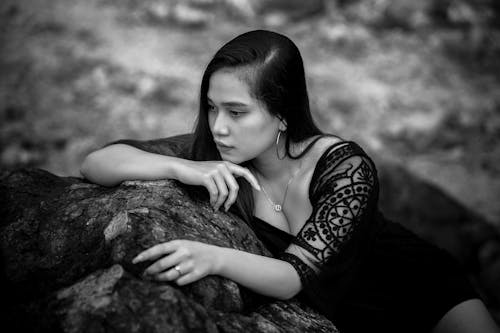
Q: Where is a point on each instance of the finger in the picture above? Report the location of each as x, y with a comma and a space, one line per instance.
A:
165, 263
173, 274
155, 252
167, 276
222, 188
233, 186
212, 190
244, 172
187, 278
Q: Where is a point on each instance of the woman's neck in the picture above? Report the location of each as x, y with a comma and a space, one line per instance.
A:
273, 169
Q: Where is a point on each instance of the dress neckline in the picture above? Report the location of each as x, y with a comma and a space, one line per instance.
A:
313, 179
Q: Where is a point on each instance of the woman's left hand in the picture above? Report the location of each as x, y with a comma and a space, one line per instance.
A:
193, 260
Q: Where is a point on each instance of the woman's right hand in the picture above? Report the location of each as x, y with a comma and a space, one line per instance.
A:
218, 177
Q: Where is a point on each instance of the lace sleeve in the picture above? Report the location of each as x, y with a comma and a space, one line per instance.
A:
341, 188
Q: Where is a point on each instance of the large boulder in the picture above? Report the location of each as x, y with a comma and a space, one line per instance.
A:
442, 220
67, 247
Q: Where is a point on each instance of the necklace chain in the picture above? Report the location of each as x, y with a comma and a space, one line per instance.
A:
279, 207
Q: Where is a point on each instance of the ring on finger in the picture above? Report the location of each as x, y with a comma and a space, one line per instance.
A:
178, 269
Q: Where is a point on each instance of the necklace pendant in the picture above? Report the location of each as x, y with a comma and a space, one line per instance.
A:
277, 208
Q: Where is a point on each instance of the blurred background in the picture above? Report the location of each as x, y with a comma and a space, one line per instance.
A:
416, 82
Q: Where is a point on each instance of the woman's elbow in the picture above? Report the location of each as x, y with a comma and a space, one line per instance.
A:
90, 164
85, 166
92, 170
287, 296
291, 292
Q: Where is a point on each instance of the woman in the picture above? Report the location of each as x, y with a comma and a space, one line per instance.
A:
310, 197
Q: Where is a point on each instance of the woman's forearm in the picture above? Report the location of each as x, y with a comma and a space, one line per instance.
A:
112, 165
264, 275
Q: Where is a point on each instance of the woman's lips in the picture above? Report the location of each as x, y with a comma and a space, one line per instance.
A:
222, 146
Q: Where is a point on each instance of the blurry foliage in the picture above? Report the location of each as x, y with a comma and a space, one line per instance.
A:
414, 77
466, 31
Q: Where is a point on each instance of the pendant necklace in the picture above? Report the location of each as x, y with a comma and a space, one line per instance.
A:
277, 206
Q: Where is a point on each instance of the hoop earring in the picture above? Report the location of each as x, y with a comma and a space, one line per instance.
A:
277, 146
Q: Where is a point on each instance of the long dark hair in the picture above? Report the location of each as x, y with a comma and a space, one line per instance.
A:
275, 75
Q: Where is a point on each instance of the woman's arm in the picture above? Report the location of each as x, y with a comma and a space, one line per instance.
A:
264, 275
186, 261
115, 163
118, 162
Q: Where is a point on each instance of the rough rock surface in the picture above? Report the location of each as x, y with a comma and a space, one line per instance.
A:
67, 247
435, 216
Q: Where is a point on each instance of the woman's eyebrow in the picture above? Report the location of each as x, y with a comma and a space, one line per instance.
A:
234, 104
229, 104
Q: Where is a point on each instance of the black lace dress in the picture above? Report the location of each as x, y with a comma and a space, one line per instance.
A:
363, 272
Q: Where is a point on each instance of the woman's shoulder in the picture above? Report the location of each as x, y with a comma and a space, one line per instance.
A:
335, 158
329, 151
323, 143
316, 147
326, 142
332, 147
326, 150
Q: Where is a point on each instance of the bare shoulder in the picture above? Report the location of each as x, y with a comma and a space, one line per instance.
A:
323, 144
316, 151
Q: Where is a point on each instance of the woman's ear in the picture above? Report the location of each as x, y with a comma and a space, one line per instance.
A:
283, 125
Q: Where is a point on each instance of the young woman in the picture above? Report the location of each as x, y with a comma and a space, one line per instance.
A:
310, 197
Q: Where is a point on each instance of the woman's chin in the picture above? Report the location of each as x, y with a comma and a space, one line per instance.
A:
230, 158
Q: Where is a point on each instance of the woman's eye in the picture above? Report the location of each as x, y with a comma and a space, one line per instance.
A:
236, 113
211, 108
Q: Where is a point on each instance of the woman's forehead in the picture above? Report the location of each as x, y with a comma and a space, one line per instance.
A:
224, 86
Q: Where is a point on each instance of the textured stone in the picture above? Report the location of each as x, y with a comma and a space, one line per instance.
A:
67, 247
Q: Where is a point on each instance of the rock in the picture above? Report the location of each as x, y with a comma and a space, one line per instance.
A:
438, 218
432, 214
67, 247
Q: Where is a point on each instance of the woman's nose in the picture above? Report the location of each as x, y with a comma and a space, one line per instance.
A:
220, 126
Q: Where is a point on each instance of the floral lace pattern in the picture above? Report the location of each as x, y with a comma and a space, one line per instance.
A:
341, 187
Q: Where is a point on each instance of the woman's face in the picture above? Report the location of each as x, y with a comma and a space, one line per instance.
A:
238, 120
